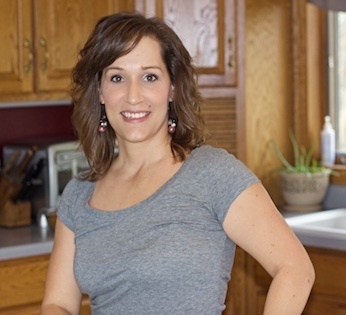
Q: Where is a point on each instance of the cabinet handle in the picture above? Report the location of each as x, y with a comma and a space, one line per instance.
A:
230, 53
28, 66
43, 44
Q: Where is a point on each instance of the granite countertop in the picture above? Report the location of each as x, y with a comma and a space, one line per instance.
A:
25, 241
32, 240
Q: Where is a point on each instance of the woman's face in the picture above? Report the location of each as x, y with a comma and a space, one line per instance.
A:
136, 89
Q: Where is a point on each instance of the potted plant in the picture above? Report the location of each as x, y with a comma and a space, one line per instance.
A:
305, 182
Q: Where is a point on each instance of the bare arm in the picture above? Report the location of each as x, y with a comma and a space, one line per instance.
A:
255, 225
62, 295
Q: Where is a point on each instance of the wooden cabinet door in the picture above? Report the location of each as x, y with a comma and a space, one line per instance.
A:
62, 27
22, 283
16, 47
207, 29
22, 286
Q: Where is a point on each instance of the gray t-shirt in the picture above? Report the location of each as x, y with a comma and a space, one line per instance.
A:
167, 254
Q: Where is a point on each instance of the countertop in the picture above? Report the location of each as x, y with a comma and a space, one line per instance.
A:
25, 241
32, 240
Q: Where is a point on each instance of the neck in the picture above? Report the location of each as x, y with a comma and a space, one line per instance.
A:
137, 155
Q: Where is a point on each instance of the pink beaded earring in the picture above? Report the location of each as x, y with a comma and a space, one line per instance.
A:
171, 125
103, 120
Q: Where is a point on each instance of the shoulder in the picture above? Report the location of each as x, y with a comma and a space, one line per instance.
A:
75, 187
75, 195
218, 163
209, 155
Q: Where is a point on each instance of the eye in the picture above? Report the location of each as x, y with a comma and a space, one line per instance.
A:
150, 77
116, 78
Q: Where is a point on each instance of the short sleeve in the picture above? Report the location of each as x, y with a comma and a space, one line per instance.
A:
67, 203
228, 179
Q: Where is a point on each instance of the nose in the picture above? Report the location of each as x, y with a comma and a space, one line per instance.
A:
134, 93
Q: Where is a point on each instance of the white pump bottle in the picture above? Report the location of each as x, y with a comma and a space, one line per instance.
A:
327, 142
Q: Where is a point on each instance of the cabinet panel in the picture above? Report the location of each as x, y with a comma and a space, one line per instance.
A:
22, 281
328, 294
331, 272
16, 52
220, 117
22, 286
62, 28
323, 305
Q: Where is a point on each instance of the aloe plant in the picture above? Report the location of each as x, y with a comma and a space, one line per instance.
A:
303, 160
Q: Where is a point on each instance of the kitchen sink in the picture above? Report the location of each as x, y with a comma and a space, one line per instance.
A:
321, 229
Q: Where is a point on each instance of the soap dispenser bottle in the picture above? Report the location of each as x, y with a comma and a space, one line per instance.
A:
327, 142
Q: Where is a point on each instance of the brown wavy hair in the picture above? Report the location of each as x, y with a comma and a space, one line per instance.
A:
115, 36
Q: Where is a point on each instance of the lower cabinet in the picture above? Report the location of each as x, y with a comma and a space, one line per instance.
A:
328, 295
22, 284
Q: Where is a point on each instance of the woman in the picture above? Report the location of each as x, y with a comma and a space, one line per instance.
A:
153, 229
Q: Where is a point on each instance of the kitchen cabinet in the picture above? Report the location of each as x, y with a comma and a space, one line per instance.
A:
329, 291
208, 30
22, 286
16, 54
40, 40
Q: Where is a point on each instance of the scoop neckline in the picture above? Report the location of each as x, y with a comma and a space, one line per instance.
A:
144, 202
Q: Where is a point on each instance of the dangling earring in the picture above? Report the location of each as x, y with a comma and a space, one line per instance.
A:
172, 123
103, 120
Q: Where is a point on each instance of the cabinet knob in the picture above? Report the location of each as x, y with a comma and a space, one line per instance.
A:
43, 44
28, 65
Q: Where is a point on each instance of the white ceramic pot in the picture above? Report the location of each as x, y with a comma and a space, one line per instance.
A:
304, 192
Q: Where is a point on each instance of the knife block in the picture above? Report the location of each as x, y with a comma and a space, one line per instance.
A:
15, 214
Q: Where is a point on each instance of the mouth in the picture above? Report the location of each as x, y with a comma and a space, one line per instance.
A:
137, 115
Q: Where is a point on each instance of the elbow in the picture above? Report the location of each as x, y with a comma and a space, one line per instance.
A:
303, 272
297, 272
310, 273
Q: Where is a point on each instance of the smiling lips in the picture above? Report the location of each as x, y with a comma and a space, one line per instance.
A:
137, 115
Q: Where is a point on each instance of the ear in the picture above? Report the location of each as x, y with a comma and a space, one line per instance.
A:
101, 99
171, 94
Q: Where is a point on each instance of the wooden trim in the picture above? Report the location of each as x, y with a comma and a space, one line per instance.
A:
300, 110
324, 53
241, 102
159, 8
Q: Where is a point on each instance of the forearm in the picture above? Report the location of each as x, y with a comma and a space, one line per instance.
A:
289, 292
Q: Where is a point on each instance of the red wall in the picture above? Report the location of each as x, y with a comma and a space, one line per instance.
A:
34, 122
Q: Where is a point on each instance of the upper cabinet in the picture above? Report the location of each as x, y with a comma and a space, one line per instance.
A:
61, 29
207, 29
17, 52
40, 40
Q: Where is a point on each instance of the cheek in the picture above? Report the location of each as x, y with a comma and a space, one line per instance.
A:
109, 96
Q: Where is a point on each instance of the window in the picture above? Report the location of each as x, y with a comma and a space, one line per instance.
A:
337, 76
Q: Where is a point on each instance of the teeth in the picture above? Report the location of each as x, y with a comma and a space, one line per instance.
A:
134, 115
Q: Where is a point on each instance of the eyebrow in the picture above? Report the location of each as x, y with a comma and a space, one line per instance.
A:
143, 68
